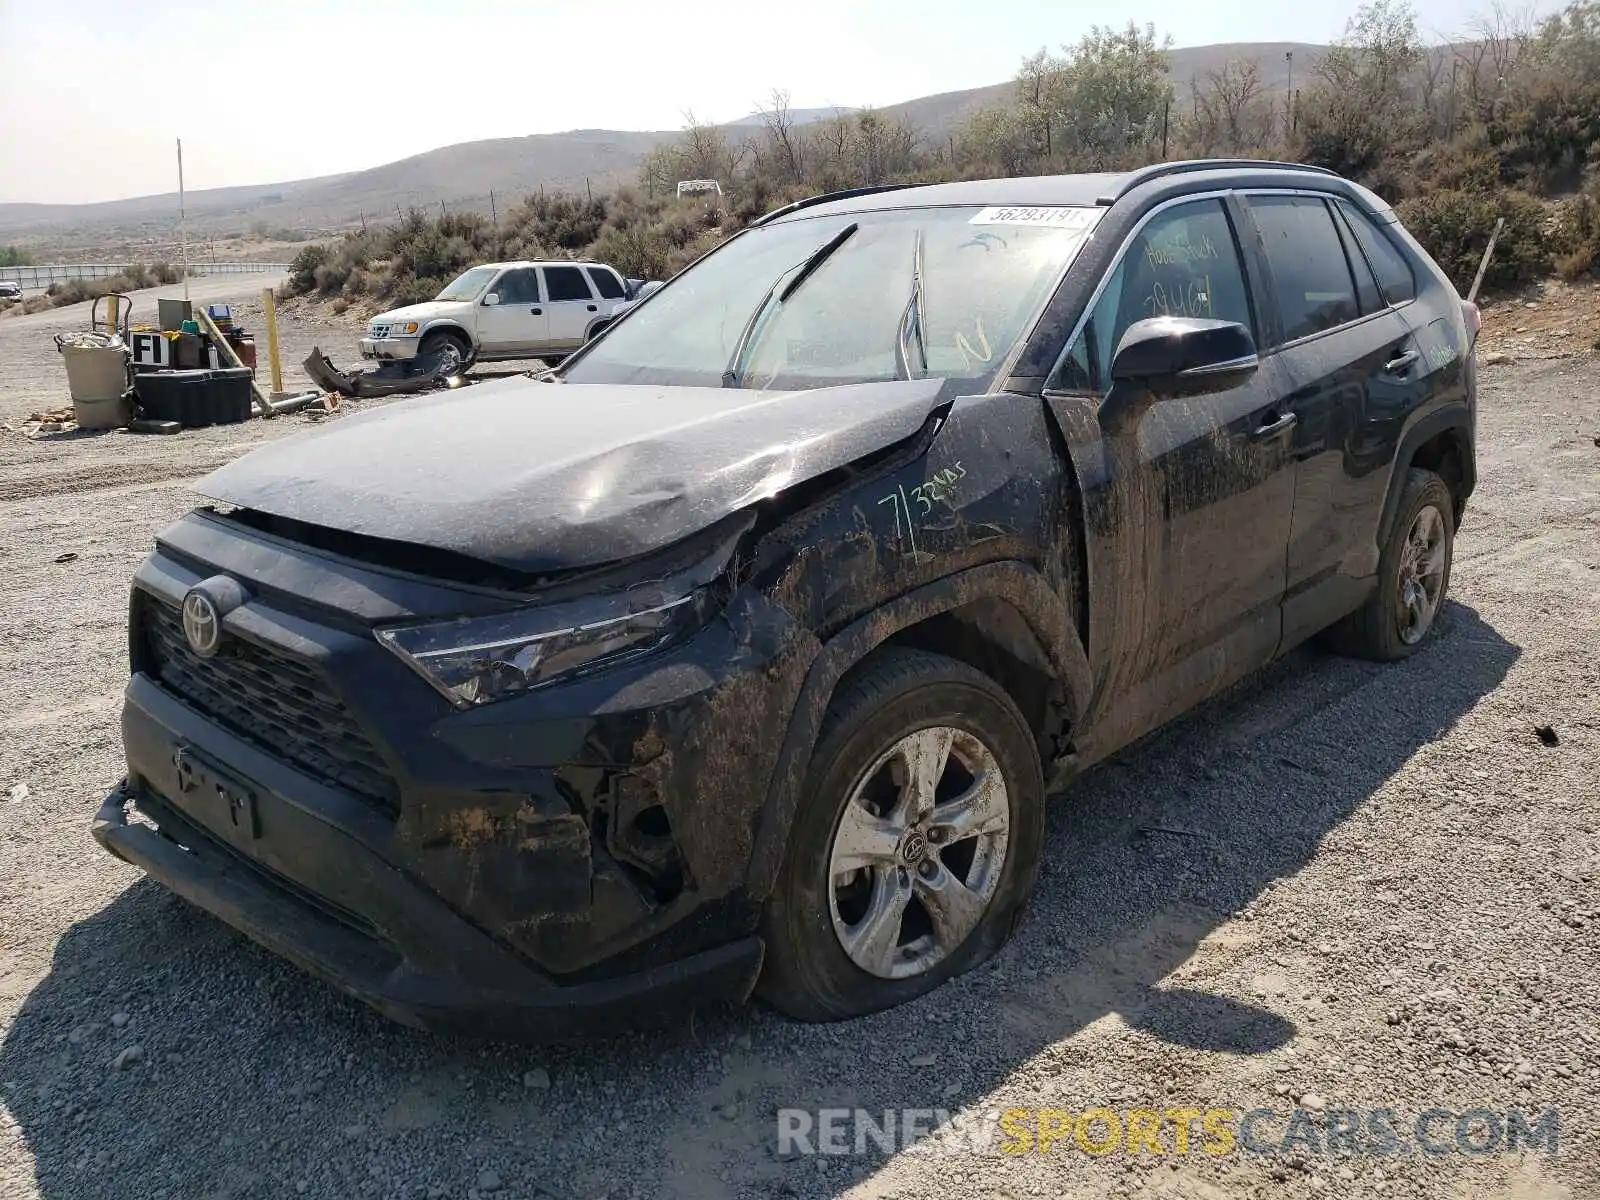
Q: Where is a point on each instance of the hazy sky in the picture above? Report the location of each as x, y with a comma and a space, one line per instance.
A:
93, 93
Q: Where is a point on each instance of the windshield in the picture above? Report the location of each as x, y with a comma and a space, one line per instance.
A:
973, 281
468, 284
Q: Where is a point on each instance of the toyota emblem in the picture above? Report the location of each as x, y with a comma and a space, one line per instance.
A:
202, 624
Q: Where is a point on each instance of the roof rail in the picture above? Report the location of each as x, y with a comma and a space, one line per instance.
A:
1158, 170
825, 197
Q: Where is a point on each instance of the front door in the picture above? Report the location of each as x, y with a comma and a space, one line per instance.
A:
1188, 513
1349, 362
572, 306
517, 322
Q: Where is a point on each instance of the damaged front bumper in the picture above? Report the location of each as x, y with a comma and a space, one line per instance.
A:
504, 869
429, 969
390, 349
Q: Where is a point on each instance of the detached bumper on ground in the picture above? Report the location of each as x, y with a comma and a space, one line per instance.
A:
524, 1005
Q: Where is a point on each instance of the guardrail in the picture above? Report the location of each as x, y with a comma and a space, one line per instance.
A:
43, 275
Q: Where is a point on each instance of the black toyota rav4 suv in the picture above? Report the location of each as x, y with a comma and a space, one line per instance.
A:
740, 652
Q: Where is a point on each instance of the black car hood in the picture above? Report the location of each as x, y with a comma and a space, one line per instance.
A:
547, 477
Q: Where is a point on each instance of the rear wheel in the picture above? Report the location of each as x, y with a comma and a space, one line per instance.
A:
1413, 575
452, 349
916, 843
597, 331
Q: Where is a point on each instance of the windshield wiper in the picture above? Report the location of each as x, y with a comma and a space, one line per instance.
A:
802, 271
911, 319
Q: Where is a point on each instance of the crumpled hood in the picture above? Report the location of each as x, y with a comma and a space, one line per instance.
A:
546, 477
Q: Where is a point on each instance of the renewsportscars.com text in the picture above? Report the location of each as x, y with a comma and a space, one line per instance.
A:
1375, 1132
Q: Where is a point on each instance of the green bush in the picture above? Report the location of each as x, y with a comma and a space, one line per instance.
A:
1577, 236
303, 268
1454, 226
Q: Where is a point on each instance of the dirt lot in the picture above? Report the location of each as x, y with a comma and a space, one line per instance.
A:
1341, 886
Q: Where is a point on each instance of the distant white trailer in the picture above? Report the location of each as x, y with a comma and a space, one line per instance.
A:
689, 187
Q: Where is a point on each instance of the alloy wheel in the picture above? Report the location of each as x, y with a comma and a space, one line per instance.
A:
1423, 560
918, 852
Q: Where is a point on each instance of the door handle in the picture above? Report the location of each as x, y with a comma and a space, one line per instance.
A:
1275, 426
538, 312
1398, 366
593, 308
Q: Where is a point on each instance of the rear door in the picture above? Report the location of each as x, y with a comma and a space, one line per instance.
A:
572, 305
608, 286
1347, 358
517, 321
1187, 515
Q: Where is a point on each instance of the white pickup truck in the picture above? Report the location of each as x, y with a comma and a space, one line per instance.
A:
504, 310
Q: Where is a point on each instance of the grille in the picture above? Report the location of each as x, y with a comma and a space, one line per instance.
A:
281, 704
378, 332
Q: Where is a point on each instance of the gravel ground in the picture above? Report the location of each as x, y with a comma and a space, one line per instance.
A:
1341, 885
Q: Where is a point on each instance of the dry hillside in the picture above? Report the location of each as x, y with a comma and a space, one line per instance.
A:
463, 175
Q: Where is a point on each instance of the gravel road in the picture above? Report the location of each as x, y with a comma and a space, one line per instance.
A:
1340, 886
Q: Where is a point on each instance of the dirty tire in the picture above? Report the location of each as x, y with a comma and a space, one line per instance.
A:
436, 343
1373, 631
894, 693
597, 331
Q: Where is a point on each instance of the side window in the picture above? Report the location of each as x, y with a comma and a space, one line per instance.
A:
1394, 272
566, 283
1366, 283
518, 287
1183, 263
607, 284
1314, 288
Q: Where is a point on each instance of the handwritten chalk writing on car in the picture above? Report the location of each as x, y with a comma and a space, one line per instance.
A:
1180, 298
1054, 217
909, 505
1181, 252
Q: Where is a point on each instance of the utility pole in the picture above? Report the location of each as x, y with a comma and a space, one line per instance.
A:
1166, 114
1288, 120
493, 216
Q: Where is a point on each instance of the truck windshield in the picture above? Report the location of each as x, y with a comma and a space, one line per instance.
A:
468, 284
974, 279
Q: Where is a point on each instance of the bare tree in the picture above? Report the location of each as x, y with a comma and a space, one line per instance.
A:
1485, 63
784, 146
1232, 111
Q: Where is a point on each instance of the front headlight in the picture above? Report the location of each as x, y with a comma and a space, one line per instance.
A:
403, 328
481, 659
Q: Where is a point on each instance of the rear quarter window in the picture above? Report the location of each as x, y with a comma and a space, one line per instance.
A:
1395, 279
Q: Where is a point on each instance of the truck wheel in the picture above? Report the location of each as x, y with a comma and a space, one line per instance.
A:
1413, 574
452, 348
598, 329
916, 843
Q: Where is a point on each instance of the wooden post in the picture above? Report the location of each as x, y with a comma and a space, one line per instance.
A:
1483, 267
232, 355
269, 302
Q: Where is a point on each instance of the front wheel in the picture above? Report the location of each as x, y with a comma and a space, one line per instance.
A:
452, 350
916, 843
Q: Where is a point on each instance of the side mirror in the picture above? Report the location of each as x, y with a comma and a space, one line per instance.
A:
1185, 356
1164, 358
492, 299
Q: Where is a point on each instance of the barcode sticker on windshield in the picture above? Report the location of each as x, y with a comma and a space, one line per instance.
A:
1055, 217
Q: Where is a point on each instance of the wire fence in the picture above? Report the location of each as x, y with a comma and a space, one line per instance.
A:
44, 274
